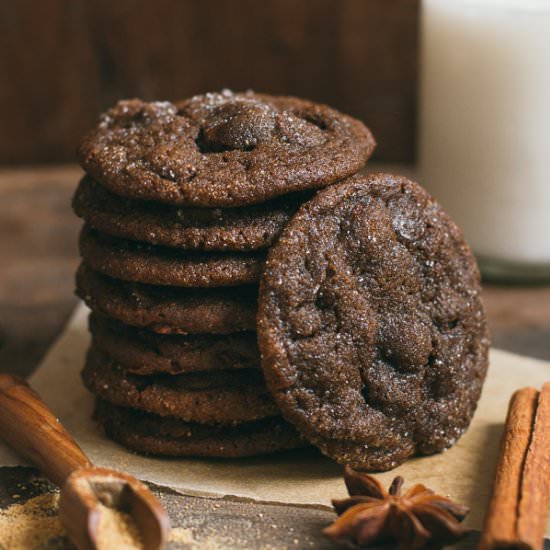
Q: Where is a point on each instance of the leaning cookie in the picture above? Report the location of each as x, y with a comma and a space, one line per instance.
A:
223, 149
371, 327
141, 351
145, 263
213, 229
223, 397
169, 310
167, 436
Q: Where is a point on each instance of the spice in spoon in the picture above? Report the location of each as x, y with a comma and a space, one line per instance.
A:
118, 530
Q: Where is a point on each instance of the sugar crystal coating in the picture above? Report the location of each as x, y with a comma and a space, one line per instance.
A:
219, 397
151, 434
371, 326
169, 310
239, 229
222, 149
145, 263
141, 351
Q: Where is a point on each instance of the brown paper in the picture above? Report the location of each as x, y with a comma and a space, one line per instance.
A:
464, 473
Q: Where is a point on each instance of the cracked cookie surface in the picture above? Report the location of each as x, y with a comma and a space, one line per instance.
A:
223, 149
371, 326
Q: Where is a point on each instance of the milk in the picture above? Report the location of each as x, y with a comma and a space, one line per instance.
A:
484, 146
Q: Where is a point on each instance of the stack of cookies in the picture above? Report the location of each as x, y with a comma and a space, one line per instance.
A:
236, 311
181, 203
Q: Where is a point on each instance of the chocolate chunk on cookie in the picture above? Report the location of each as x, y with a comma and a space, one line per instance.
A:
144, 352
146, 263
150, 434
371, 327
221, 397
237, 229
169, 310
223, 149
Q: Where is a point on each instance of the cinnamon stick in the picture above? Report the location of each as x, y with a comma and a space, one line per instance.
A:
517, 511
535, 483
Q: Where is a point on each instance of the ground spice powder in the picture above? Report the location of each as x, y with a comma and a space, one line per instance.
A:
31, 524
117, 530
35, 524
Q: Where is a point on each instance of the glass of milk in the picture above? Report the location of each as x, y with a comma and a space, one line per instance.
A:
484, 146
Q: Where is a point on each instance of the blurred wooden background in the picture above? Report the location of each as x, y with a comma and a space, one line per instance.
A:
64, 61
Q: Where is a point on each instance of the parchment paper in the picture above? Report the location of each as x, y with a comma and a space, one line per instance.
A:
463, 473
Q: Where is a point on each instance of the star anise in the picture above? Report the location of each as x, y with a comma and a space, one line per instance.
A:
373, 515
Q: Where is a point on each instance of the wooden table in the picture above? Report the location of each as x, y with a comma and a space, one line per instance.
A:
38, 235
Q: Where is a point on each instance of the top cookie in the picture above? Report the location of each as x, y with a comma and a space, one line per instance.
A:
370, 324
223, 149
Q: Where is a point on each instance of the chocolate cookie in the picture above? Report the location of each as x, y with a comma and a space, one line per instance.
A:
371, 326
221, 397
169, 310
223, 149
238, 229
144, 352
168, 436
145, 263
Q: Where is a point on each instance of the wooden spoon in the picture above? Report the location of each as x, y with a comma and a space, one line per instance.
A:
35, 433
